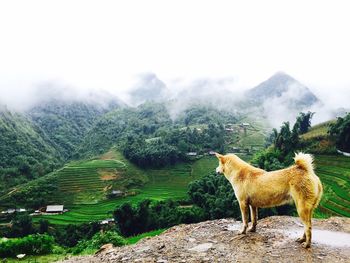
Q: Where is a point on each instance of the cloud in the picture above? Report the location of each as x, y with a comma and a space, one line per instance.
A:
148, 87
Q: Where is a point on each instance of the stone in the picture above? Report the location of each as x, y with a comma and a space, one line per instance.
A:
201, 247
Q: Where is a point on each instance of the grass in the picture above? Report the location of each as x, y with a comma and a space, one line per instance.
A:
135, 239
319, 130
163, 183
334, 172
38, 259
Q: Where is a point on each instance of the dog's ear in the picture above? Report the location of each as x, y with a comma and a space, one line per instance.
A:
220, 157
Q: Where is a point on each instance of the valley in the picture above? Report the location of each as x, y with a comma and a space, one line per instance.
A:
84, 193
132, 172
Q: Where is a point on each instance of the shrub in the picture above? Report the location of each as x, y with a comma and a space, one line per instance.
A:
30, 245
98, 240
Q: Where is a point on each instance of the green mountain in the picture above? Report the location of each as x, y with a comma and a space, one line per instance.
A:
67, 122
115, 126
26, 152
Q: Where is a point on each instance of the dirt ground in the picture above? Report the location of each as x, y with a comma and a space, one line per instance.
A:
219, 241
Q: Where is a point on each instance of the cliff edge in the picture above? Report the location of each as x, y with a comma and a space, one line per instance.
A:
219, 241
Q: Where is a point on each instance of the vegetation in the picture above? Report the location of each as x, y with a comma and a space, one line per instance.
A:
137, 238
341, 131
203, 115
66, 123
284, 143
99, 239
29, 245
93, 203
173, 145
26, 152
147, 216
334, 172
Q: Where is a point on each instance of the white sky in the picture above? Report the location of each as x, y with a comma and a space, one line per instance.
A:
105, 44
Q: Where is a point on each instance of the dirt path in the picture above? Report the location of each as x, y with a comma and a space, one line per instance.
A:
218, 241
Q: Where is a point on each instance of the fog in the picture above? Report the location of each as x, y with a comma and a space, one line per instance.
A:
180, 94
197, 50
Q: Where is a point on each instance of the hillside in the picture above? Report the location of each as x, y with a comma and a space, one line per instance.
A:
318, 131
334, 172
26, 152
83, 186
218, 241
67, 122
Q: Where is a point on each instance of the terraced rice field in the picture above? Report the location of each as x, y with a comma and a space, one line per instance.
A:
165, 183
82, 182
334, 172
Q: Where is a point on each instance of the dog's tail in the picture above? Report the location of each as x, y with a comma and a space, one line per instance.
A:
304, 161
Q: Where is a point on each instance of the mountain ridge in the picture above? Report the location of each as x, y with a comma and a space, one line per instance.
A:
279, 84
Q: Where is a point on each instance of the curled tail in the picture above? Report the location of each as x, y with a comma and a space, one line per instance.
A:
304, 161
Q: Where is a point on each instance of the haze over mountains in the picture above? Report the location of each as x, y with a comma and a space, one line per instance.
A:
287, 96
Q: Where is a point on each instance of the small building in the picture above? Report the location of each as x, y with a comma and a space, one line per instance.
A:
246, 124
107, 221
54, 209
117, 193
191, 154
13, 210
211, 153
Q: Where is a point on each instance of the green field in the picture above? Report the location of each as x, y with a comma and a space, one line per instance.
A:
164, 183
334, 172
319, 130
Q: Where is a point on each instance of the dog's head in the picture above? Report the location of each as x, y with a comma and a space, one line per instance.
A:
222, 159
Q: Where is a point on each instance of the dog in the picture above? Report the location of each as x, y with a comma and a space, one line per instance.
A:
256, 188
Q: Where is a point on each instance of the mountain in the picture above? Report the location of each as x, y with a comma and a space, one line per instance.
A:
26, 151
148, 88
66, 123
219, 241
283, 89
116, 125
66, 120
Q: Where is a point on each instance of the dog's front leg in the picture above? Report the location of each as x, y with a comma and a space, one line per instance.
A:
254, 218
245, 214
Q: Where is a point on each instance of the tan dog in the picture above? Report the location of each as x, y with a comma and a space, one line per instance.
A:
256, 188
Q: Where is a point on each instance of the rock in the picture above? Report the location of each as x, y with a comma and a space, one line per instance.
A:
201, 247
104, 248
211, 242
142, 249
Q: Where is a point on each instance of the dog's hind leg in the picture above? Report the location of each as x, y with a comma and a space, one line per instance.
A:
254, 218
245, 215
305, 214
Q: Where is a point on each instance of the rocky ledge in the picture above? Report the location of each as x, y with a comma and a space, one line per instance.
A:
219, 241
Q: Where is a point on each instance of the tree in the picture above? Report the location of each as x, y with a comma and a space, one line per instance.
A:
341, 131
303, 122
43, 226
22, 225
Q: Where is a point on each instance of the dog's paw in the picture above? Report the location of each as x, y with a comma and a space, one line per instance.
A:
306, 245
300, 239
243, 232
252, 229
